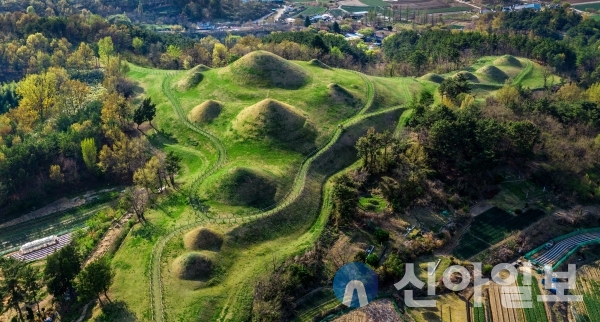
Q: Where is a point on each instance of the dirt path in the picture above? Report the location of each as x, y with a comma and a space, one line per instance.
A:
108, 239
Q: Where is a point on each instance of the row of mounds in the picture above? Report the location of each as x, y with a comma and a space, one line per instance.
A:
199, 262
486, 74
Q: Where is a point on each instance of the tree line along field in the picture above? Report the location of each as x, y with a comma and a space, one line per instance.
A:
491, 227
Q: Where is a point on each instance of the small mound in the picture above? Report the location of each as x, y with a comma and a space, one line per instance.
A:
492, 73
193, 266
202, 239
341, 95
272, 119
245, 187
318, 63
507, 60
205, 112
190, 80
432, 77
200, 68
264, 69
470, 77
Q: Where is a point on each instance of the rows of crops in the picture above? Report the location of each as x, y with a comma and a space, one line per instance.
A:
56, 223
492, 226
479, 314
498, 311
538, 312
590, 289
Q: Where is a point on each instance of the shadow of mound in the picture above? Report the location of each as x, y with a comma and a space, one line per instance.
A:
116, 311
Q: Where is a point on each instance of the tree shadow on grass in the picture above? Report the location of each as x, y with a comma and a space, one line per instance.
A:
116, 311
148, 231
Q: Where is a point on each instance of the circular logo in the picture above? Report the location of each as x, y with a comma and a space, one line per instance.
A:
355, 285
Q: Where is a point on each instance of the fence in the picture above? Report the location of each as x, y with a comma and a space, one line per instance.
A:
156, 285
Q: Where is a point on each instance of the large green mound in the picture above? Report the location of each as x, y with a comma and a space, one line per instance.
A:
432, 77
492, 73
318, 63
271, 119
507, 60
205, 112
193, 266
470, 76
264, 69
245, 187
341, 95
203, 239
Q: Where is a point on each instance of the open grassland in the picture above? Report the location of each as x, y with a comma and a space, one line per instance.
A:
491, 227
583, 7
251, 241
375, 3
311, 11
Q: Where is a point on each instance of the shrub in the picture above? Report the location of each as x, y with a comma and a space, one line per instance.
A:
373, 260
487, 269
381, 235
360, 256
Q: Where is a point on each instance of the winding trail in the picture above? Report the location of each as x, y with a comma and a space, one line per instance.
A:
156, 285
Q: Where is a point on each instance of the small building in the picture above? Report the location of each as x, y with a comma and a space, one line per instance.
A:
532, 6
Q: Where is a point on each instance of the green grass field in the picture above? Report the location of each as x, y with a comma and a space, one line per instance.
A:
583, 7
449, 9
375, 3
491, 227
311, 11
250, 241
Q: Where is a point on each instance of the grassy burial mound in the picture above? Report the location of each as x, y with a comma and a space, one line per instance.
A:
245, 187
492, 74
205, 112
192, 77
507, 60
277, 121
318, 63
341, 95
264, 69
470, 76
432, 77
203, 239
193, 266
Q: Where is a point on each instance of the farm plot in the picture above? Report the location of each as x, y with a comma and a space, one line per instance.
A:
589, 287
55, 224
538, 311
449, 308
479, 314
498, 311
491, 227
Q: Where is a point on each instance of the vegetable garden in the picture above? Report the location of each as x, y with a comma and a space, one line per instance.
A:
491, 227
538, 312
